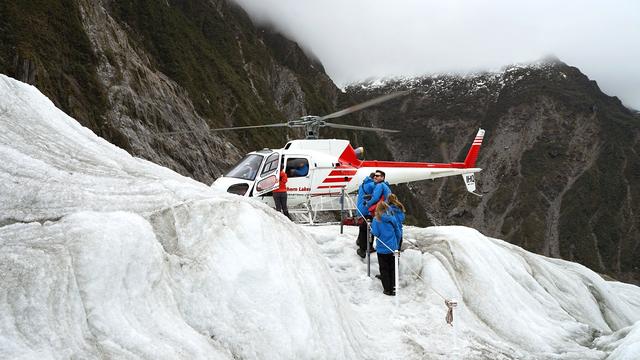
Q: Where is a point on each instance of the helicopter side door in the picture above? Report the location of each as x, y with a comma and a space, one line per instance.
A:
269, 176
299, 169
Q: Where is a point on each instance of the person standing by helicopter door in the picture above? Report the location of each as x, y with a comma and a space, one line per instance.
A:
280, 195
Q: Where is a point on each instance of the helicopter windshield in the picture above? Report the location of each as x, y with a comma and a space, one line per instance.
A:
247, 168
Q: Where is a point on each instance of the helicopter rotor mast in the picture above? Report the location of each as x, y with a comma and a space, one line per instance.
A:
313, 124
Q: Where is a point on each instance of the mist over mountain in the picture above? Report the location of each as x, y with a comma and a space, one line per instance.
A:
373, 38
560, 157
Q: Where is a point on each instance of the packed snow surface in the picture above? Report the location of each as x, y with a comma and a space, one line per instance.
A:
103, 255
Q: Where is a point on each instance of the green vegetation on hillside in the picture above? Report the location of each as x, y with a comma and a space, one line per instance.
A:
220, 60
42, 42
192, 44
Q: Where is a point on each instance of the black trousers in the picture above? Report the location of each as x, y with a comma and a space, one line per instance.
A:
362, 236
387, 267
280, 198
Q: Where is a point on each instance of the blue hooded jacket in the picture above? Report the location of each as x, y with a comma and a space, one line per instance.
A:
381, 190
399, 215
366, 188
387, 231
300, 171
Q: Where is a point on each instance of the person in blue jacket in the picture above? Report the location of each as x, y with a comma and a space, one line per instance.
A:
364, 194
381, 191
301, 169
397, 209
386, 229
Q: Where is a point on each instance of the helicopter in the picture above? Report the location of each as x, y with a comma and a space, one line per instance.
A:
331, 167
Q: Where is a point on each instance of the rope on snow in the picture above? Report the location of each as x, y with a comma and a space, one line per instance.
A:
450, 303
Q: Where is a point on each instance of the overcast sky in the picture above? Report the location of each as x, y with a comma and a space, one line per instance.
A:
360, 39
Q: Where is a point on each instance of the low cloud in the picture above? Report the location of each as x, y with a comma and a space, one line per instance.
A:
360, 39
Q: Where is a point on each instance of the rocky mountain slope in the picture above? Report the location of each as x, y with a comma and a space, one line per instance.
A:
560, 158
129, 70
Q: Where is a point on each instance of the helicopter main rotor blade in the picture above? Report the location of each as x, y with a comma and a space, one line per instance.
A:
225, 129
252, 127
363, 105
351, 127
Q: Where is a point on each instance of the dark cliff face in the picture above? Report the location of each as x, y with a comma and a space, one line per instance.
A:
560, 159
132, 69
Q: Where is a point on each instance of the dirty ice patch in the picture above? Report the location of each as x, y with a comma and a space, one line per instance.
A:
624, 344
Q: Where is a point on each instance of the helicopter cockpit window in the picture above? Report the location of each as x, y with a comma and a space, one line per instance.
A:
297, 167
247, 169
271, 164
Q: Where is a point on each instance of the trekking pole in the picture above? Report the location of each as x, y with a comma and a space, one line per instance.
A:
368, 248
396, 259
368, 238
342, 212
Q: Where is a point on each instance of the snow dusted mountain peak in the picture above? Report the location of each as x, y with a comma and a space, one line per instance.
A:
473, 81
103, 255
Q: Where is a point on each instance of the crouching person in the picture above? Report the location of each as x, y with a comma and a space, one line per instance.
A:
386, 229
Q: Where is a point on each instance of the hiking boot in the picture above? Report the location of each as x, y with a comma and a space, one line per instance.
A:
390, 293
379, 277
361, 253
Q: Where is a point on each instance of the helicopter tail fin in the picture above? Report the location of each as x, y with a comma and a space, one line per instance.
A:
472, 156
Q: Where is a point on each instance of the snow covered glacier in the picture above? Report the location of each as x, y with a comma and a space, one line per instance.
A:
103, 255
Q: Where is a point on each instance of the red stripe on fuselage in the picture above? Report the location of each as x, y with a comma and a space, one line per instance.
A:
343, 172
334, 180
331, 186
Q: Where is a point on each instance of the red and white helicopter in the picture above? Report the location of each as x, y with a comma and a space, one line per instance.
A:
324, 167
